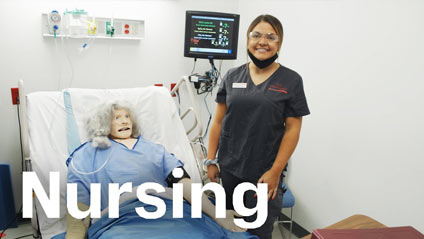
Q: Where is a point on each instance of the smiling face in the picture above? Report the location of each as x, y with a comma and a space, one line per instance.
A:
263, 48
121, 125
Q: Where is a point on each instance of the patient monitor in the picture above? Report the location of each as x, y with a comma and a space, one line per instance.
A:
210, 35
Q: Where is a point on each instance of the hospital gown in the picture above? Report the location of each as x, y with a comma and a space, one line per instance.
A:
145, 162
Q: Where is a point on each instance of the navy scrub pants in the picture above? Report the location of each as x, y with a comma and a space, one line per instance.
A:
230, 182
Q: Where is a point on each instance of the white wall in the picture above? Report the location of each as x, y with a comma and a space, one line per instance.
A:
362, 65
26, 54
363, 68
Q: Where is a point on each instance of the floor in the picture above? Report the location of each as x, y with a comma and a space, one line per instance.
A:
22, 230
25, 229
276, 234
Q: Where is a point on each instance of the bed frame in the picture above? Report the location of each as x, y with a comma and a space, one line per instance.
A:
196, 142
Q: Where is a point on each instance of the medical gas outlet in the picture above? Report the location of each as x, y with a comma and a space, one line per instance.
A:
54, 20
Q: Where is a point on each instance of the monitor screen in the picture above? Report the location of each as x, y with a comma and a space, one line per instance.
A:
211, 35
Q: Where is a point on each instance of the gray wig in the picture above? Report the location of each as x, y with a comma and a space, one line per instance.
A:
98, 123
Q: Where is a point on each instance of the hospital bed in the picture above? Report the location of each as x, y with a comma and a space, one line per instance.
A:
53, 125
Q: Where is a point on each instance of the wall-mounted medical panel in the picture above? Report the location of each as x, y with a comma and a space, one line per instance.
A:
84, 26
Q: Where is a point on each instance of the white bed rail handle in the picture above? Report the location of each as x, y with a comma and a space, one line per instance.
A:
190, 109
193, 109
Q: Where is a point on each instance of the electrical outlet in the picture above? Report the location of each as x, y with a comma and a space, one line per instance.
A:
15, 95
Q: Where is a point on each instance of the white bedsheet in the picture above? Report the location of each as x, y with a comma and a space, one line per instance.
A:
46, 114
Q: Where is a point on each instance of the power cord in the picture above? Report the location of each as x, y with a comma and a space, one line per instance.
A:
206, 84
220, 65
22, 165
20, 136
210, 115
23, 236
194, 66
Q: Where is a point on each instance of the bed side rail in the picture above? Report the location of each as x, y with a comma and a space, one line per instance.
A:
197, 122
197, 145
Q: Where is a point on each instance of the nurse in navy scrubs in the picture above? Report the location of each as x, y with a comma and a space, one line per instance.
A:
257, 122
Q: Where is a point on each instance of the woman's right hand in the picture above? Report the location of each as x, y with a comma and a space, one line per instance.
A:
213, 173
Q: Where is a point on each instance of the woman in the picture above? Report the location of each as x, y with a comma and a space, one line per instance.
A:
258, 119
116, 153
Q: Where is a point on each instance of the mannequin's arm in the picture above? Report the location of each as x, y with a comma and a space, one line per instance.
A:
77, 228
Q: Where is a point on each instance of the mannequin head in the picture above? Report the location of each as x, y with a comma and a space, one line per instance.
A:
121, 124
114, 119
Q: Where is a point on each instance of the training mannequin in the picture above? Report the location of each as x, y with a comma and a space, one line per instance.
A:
117, 153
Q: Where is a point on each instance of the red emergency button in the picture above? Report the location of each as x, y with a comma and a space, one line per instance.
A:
127, 32
127, 26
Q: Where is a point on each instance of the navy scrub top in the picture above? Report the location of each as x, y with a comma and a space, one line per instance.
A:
254, 123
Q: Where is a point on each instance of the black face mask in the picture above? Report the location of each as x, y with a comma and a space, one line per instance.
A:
264, 63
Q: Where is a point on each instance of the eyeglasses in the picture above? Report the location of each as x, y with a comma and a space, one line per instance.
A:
255, 36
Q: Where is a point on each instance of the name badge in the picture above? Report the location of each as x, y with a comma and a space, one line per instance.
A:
239, 85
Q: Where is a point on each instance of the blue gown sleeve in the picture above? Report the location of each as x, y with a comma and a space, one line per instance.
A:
169, 162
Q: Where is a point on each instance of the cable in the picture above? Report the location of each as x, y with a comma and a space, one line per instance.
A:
95, 171
69, 59
22, 165
59, 64
206, 83
214, 73
210, 115
20, 137
72, 67
205, 88
220, 65
194, 66
23, 236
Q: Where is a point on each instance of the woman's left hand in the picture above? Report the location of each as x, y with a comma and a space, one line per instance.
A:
272, 178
